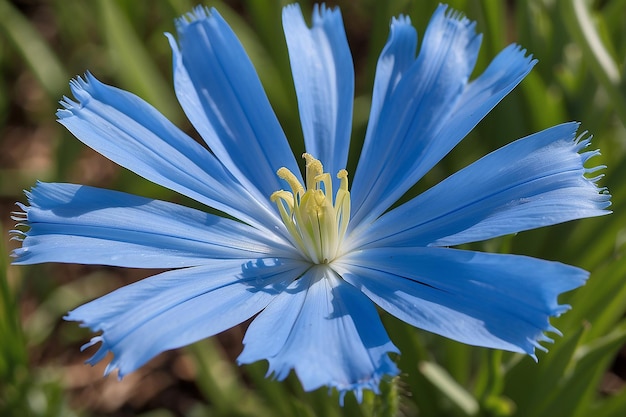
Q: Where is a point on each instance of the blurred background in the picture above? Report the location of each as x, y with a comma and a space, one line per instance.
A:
581, 75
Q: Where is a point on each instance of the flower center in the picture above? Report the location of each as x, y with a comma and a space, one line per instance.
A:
316, 223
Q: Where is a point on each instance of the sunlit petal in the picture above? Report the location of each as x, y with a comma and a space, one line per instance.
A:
326, 331
222, 95
179, 307
533, 182
323, 74
491, 300
130, 132
74, 223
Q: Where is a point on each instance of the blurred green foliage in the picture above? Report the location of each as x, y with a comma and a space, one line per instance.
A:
581, 75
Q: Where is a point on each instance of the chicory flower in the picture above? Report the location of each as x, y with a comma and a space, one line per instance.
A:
311, 257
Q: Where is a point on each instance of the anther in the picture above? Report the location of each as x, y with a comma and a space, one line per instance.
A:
316, 221
313, 168
292, 180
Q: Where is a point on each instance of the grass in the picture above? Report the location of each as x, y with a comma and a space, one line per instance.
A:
581, 75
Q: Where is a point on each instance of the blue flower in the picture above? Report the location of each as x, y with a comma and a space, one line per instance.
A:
310, 256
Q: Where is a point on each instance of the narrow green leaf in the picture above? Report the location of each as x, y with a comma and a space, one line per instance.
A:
13, 355
546, 375
580, 385
581, 28
495, 20
273, 392
459, 396
601, 301
135, 67
492, 373
220, 381
42, 61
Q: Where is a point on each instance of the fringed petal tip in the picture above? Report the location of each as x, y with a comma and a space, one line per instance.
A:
322, 14
400, 21
525, 60
29, 196
534, 344
453, 15
82, 88
102, 351
19, 255
22, 225
449, 20
21, 216
388, 369
82, 321
556, 311
100, 354
372, 384
358, 389
581, 142
401, 32
199, 13
20, 231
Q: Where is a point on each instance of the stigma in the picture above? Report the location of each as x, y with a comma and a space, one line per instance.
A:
316, 221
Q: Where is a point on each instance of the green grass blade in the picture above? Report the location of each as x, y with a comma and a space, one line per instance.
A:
574, 396
545, 375
136, 69
40, 58
580, 26
600, 302
13, 355
463, 400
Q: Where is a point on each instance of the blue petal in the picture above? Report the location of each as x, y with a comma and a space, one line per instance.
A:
395, 59
429, 109
483, 299
533, 182
326, 331
130, 132
80, 224
222, 95
324, 78
179, 307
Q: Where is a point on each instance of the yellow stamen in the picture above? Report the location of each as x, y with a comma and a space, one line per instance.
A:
343, 176
313, 169
292, 180
316, 223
